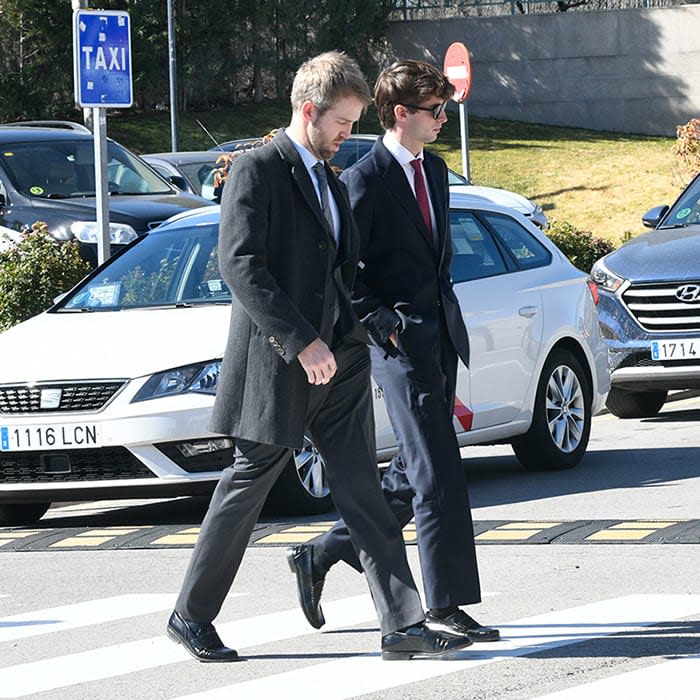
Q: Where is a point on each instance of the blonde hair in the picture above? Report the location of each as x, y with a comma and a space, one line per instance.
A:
326, 78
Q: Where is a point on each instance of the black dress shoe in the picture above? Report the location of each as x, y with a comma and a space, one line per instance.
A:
418, 640
309, 589
200, 639
460, 624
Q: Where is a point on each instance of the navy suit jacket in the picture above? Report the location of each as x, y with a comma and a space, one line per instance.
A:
403, 281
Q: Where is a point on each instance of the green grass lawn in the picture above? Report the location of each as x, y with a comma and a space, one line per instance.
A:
597, 181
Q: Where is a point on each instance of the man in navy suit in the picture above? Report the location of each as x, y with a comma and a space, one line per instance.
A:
403, 295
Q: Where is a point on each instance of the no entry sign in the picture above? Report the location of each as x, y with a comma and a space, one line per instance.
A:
457, 68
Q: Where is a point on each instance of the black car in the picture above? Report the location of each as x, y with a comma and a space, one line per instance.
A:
47, 173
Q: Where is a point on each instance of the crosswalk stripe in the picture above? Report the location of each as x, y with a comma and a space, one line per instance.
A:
130, 657
649, 683
358, 675
92, 612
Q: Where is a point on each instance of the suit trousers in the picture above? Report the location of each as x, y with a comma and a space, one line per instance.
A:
426, 479
340, 421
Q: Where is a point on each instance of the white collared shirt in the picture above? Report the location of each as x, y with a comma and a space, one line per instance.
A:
404, 157
309, 160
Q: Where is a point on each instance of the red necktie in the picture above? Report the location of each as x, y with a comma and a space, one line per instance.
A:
422, 196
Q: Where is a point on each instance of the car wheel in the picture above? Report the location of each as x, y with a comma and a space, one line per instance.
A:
561, 421
21, 513
635, 404
302, 488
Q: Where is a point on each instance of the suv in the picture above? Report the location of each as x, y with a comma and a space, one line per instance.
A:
47, 173
650, 308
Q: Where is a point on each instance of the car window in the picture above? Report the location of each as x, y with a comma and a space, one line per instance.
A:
163, 269
63, 168
686, 209
526, 250
476, 254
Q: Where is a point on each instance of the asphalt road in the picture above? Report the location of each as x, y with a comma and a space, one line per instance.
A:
591, 574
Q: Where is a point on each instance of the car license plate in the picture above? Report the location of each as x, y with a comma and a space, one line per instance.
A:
679, 349
50, 437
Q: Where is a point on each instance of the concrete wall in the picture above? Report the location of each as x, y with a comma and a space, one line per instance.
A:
635, 71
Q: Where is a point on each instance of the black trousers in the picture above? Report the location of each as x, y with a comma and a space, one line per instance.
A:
426, 479
340, 421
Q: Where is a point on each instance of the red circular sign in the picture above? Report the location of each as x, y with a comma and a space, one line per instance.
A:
458, 70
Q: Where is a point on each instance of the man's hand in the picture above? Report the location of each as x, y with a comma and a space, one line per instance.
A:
394, 338
318, 362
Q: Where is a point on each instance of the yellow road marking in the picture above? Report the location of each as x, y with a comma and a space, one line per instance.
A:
81, 542
644, 525
506, 534
527, 526
13, 534
177, 538
620, 534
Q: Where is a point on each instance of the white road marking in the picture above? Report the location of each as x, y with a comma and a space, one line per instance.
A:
358, 675
120, 659
666, 679
92, 612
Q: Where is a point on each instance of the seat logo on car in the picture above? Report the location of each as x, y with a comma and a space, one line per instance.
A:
689, 293
50, 398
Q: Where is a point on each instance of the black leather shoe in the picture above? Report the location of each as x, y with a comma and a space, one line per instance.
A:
200, 639
309, 590
461, 625
418, 640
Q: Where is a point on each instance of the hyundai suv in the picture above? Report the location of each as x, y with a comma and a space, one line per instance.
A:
650, 308
47, 173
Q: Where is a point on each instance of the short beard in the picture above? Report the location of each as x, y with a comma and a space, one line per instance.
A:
319, 148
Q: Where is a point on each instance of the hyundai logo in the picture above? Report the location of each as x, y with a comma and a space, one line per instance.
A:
689, 293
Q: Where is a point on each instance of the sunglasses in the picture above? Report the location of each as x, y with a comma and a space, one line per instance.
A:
437, 111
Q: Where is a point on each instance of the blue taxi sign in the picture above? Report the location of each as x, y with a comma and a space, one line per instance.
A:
102, 58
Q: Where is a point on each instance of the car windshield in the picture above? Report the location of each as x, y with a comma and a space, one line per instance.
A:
166, 268
63, 168
686, 209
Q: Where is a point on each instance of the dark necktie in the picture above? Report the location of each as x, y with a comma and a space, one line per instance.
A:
322, 178
422, 197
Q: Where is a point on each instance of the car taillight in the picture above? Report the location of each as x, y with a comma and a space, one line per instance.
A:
593, 288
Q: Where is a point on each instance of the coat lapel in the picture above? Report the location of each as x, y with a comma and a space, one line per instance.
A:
300, 175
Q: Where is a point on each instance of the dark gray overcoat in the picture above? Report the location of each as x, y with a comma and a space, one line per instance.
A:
279, 259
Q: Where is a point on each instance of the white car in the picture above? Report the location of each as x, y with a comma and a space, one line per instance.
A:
122, 410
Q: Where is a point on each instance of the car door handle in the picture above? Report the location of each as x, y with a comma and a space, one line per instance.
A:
527, 311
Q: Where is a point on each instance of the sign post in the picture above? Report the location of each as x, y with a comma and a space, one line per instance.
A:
457, 68
102, 78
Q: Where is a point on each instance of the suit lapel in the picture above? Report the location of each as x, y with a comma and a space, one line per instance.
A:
437, 195
397, 182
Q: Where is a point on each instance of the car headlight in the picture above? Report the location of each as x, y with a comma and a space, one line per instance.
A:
604, 278
201, 378
87, 232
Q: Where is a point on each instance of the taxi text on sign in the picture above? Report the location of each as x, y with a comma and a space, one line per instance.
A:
102, 58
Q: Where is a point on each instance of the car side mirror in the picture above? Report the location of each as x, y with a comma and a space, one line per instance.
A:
654, 215
179, 182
